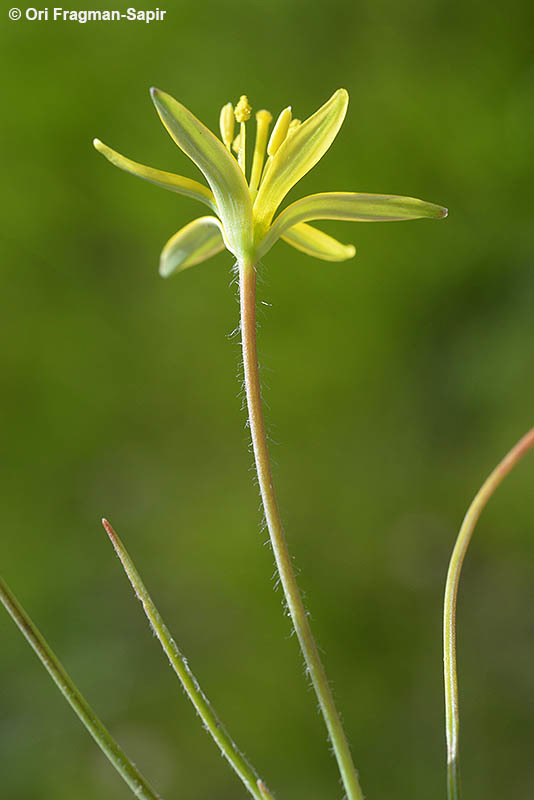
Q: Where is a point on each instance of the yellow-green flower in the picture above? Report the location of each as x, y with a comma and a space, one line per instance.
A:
243, 214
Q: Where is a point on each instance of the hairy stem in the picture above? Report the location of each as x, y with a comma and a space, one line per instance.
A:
182, 670
452, 716
247, 285
100, 734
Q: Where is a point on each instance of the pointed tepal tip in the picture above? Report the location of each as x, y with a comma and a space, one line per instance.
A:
164, 270
444, 212
97, 144
339, 101
160, 98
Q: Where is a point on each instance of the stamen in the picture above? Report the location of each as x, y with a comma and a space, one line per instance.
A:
235, 143
242, 114
263, 120
242, 155
243, 109
226, 124
293, 125
279, 131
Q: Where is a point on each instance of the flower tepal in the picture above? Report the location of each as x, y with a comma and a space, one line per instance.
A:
244, 216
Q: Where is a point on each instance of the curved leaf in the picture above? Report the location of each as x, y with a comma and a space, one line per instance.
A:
219, 167
192, 244
176, 183
315, 243
350, 206
297, 155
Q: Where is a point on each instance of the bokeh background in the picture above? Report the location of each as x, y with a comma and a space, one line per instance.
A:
394, 383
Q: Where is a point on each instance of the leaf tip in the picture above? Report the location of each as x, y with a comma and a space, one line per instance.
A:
160, 98
164, 270
109, 530
342, 96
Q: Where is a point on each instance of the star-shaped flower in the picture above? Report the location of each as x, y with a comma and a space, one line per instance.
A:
243, 219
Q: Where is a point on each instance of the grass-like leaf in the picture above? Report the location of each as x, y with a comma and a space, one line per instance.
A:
203, 707
452, 716
70, 692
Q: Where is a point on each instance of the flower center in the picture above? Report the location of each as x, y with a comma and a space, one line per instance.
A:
283, 128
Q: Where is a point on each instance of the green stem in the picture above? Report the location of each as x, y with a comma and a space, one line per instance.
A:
190, 684
265, 793
247, 282
100, 734
453, 780
452, 717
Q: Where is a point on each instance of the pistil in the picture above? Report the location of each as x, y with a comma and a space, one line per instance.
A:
242, 114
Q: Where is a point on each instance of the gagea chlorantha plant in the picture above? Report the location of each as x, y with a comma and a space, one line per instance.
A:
245, 220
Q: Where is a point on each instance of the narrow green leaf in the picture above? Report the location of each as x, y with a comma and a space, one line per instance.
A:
296, 156
352, 207
192, 244
266, 794
128, 771
219, 167
316, 243
452, 712
176, 183
183, 671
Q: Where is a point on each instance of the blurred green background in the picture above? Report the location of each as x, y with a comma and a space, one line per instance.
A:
394, 383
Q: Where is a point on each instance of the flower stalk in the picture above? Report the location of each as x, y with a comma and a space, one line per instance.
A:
246, 221
314, 666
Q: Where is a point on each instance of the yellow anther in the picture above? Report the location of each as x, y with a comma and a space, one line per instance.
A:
263, 120
264, 117
294, 125
243, 110
226, 124
279, 131
242, 113
236, 143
